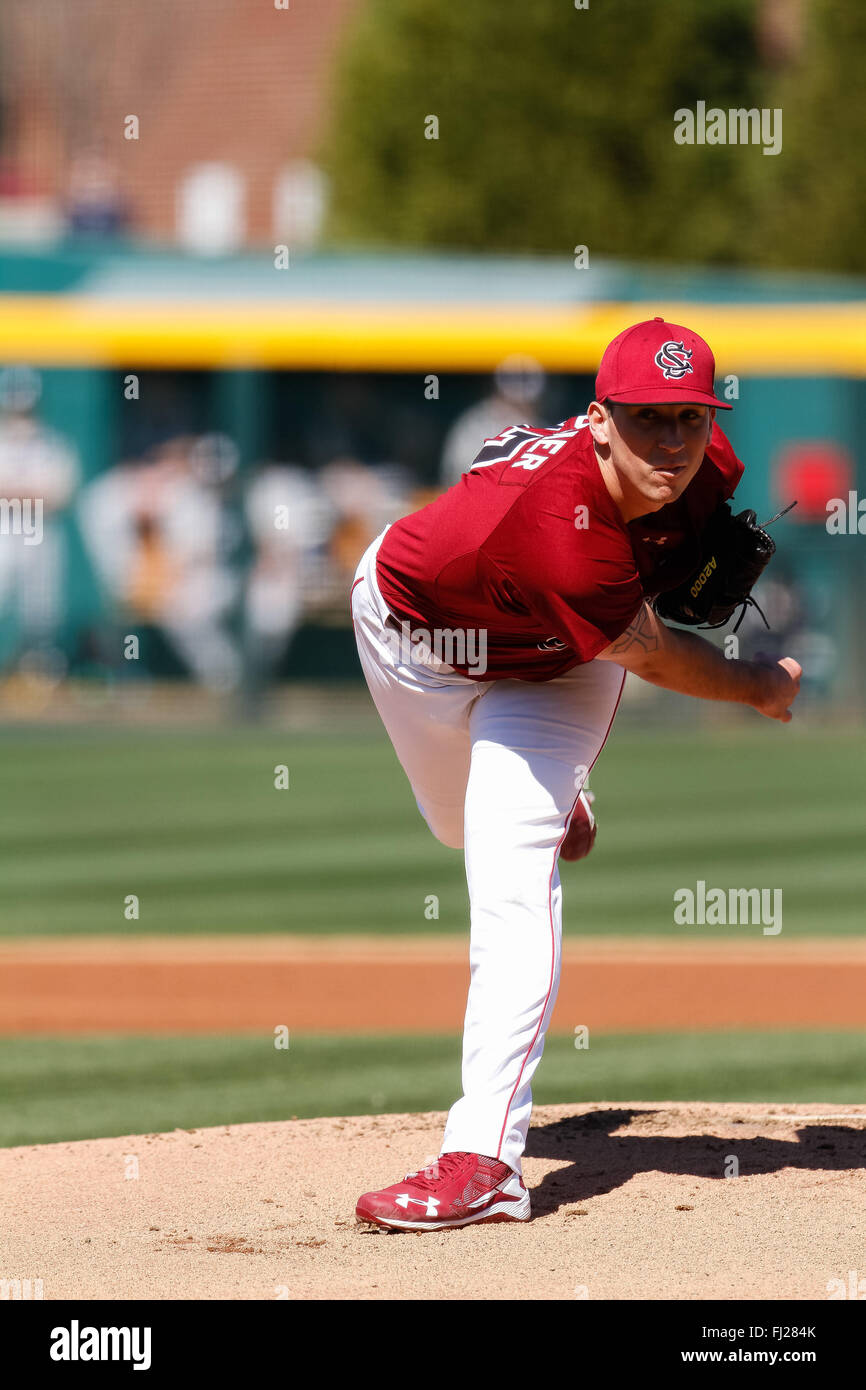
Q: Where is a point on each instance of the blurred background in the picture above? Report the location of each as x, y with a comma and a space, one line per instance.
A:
269, 275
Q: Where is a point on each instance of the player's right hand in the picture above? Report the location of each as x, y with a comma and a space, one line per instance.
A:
779, 686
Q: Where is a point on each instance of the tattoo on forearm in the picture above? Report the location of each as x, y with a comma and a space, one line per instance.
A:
640, 634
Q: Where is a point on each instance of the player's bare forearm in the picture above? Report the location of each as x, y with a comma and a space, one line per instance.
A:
687, 663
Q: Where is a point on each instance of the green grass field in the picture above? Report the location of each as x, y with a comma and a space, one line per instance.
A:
65, 1088
192, 824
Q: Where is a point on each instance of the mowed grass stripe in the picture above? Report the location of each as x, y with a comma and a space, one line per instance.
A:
192, 824
54, 1089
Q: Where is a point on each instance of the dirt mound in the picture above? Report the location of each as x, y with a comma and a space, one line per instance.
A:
629, 1201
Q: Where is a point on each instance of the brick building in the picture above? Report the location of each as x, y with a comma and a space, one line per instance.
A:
240, 82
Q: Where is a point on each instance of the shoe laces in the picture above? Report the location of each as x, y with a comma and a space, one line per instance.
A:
427, 1178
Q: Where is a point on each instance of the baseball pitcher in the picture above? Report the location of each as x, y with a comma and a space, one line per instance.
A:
495, 628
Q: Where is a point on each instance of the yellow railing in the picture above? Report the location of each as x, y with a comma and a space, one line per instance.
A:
795, 339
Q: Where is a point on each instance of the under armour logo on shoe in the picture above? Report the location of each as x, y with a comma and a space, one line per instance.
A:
431, 1203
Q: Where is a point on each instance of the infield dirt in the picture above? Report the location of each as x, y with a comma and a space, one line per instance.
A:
630, 1201
386, 984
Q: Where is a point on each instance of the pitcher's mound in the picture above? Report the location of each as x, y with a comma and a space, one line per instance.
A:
629, 1201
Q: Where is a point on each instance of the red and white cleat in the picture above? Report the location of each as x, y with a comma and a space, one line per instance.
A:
582, 831
457, 1190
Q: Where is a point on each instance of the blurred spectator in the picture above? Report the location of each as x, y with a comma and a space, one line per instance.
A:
799, 624
299, 201
289, 522
39, 472
95, 206
211, 217
156, 534
519, 382
365, 499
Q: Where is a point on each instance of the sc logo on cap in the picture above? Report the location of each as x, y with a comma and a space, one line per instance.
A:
674, 360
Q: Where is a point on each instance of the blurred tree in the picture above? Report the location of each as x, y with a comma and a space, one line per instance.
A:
813, 201
555, 128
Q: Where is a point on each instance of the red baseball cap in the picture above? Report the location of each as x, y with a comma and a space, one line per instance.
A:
655, 362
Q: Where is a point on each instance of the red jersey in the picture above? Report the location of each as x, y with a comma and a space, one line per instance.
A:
529, 548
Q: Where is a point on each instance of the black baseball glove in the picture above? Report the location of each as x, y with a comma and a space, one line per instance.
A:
735, 551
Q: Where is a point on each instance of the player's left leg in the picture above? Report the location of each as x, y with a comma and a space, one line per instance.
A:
532, 747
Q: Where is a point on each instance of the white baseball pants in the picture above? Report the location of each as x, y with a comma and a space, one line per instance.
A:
496, 768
